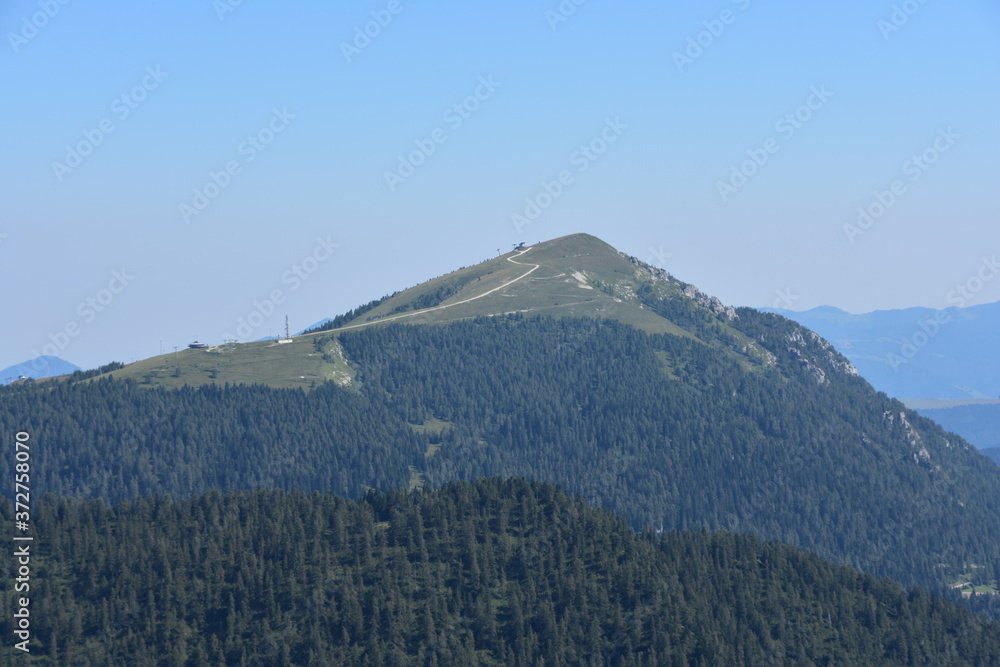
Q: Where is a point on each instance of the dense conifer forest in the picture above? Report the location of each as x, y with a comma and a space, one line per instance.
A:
414, 512
664, 430
489, 573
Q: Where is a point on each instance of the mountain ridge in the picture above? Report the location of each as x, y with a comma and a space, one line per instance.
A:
710, 418
577, 275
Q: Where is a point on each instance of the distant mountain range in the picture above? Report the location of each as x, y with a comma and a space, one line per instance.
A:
37, 368
916, 352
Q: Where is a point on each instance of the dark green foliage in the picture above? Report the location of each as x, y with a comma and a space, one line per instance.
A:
828, 467
76, 376
114, 440
667, 431
493, 573
432, 299
341, 320
427, 300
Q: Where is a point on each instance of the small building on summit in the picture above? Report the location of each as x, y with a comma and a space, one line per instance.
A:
197, 346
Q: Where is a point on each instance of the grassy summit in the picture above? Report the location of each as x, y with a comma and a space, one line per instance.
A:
573, 276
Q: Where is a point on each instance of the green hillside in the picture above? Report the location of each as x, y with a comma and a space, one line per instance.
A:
574, 276
301, 364
720, 419
492, 573
665, 430
577, 276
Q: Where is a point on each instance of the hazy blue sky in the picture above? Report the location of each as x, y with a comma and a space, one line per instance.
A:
117, 114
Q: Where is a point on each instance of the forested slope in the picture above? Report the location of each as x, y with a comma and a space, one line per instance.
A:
114, 440
491, 573
665, 430
670, 432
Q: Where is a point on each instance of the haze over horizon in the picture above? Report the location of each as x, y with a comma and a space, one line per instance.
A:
171, 167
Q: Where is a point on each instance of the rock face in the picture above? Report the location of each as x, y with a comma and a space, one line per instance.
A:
835, 360
829, 356
710, 303
647, 272
921, 454
656, 274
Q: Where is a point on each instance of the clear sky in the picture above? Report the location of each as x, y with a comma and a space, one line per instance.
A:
170, 167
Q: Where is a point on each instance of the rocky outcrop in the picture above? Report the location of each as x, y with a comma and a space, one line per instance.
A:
802, 340
710, 303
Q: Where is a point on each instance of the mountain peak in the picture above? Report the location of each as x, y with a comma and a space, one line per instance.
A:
576, 275
40, 367
573, 276
577, 239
